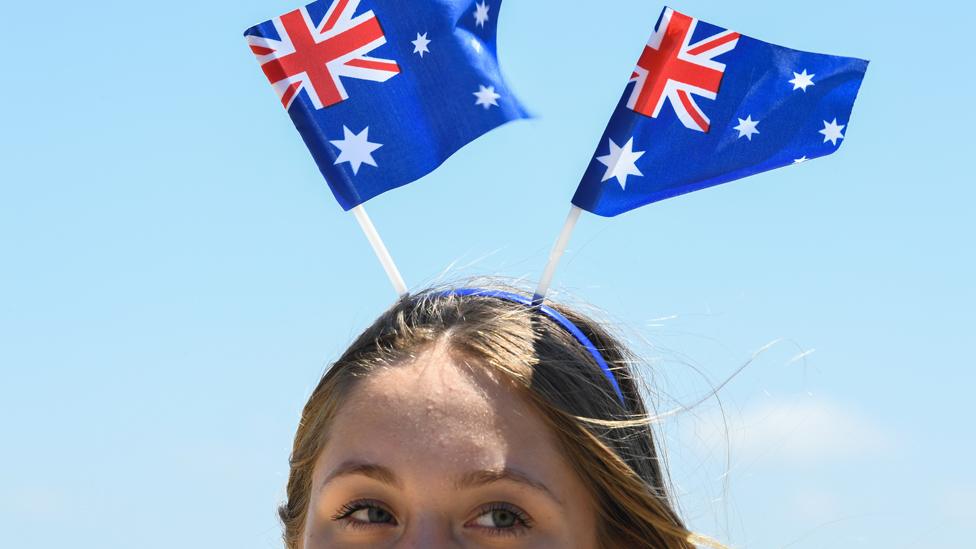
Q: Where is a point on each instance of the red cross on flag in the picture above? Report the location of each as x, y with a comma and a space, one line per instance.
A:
673, 69
316, 57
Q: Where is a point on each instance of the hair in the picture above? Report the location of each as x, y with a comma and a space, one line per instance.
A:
609, 444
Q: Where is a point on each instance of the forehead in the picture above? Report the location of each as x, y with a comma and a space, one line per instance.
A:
436, 408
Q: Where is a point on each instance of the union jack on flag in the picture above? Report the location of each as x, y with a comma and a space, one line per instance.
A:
383, 91
671, 68
706, 105
315, 57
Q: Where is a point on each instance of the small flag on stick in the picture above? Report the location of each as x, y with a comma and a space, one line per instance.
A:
707, 105
384, 91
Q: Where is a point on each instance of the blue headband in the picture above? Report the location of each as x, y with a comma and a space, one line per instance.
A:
556, 317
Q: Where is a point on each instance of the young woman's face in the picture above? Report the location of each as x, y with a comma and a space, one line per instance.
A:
433, 454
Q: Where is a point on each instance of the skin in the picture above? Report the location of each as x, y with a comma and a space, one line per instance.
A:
434, 453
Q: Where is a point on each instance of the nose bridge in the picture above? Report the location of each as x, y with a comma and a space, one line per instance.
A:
429, 531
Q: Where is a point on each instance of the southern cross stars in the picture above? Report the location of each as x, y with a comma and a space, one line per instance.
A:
481, 14
802, 80
747, 127
487, 97
621, 162
420, 44
355, 149
832, 132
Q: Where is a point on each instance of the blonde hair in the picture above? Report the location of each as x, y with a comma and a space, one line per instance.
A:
609, 444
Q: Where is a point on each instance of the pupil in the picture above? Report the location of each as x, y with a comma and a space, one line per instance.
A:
503, 519
378, 515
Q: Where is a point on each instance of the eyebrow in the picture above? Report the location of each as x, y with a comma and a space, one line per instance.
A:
475, 479
467, 481
361, 468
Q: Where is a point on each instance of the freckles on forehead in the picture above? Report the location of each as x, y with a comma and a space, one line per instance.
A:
435, 436
435, 407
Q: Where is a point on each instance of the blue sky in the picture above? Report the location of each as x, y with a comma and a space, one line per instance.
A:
176, 276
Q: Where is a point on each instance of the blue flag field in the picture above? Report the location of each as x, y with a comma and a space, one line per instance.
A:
384, 91
706, 105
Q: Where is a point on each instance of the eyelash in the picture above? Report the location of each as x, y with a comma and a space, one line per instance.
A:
345, 513
524, 521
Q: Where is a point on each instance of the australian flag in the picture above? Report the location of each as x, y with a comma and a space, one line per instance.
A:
706, 105
384, 91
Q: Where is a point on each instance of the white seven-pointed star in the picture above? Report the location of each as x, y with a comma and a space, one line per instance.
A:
831, 131
481, 14
355, 149
747, 127
486, 97
420, 44
621, 162
800, 160
802, 80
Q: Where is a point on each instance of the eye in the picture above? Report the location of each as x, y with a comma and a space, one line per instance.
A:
502, 519
364, 513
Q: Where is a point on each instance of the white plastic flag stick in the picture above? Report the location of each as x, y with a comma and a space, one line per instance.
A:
556, 254
380, 249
